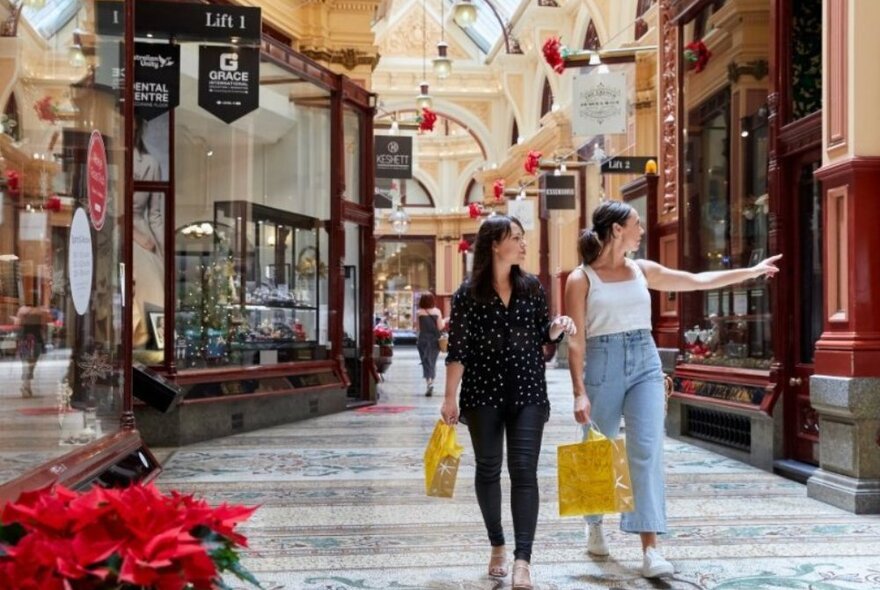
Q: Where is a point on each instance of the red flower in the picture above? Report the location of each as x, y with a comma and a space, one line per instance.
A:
53, 203
463, 246
74, 541
475, 210
46, 109
13, 180
533, 160
552, 54
427, 119
383, 335
697, 53
498, 189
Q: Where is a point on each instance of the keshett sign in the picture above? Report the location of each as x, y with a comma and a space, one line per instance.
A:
393, 156
559, 192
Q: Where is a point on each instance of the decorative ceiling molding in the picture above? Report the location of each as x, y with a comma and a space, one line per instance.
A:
348, 57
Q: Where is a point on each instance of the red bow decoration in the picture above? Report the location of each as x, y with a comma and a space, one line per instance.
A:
552, 54
475, 210
498, 189
46, 109
427, 120
533, 160
463, 246
53, 203
698, 54
13, 181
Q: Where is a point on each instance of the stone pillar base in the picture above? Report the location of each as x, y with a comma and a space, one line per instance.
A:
858, 496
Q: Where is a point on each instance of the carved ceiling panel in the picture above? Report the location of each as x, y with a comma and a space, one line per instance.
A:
406, 38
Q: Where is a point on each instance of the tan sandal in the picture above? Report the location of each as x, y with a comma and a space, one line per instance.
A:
498, 562
522, 576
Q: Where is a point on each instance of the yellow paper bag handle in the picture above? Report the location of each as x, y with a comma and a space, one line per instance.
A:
593, 433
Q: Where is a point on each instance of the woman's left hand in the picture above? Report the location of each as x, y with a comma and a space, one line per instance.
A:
566, 324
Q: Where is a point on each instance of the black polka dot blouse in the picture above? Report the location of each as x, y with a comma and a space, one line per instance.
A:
500, 348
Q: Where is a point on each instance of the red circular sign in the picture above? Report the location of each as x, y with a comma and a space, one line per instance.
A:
97, 180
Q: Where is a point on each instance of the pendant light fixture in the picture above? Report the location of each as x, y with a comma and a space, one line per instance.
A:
423, 100
464, 13
442, 64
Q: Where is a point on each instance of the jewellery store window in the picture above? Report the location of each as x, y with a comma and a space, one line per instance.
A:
726, 228
62, 214
252, 204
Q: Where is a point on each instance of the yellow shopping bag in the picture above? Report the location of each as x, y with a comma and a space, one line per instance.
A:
594, 476
441, 461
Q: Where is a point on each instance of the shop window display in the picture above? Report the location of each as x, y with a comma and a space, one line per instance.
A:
251, 249
731, 326
404, 269
62, 141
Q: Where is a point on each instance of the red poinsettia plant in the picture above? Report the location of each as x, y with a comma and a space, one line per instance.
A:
13, 181
533, 161
554, 54
698, 54
135, 538
463, 246
383, 335
475, 210
46, 109
427, 120
498, 189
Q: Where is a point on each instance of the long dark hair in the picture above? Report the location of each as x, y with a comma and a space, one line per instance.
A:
495, 229
591, 241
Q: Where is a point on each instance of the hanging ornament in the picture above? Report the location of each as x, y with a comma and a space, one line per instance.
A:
698, 54
554, 54
475, 210
533, 160
498, 189
427, 120
463, 246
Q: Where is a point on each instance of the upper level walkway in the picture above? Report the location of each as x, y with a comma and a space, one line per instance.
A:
343, 507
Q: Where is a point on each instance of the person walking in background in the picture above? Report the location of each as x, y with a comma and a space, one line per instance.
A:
615, 368
498, 325
429, 325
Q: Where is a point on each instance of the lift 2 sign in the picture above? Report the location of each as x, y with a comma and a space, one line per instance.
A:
229, 81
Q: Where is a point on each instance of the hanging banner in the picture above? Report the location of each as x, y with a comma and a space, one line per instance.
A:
524, 210
96, 179
229, 81
393, 156
599, 104
110, 17
156, 79
559, 192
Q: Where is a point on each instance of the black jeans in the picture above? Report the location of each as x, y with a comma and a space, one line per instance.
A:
525, 428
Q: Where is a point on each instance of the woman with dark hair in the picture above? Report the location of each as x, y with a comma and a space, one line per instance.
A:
609, 302
498, 325
429, 326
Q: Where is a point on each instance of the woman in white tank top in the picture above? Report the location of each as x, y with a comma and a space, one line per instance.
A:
615, 368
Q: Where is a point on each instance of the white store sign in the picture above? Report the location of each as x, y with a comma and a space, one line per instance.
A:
599, 104
80, 261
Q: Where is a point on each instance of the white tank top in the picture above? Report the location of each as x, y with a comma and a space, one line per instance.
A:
621, 306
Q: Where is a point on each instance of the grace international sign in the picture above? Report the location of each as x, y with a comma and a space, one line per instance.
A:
599, 104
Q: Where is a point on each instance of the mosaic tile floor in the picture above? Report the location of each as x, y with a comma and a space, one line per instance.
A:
343, 508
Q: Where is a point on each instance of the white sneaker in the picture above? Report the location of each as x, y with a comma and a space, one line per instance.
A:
596, 544
655, 566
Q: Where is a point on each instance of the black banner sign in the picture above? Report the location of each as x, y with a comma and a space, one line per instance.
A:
559, 192
625, 165
393, 156
200, 22
229, 81
110, 17
156, 79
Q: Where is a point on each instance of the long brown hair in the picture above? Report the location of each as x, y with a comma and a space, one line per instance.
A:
591, 241
495, 229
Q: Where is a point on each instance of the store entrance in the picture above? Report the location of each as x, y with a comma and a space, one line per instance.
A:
801, 420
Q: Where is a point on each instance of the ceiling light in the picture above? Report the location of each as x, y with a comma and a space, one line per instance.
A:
464, 13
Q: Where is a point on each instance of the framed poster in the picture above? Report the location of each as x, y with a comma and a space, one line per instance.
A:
157, 323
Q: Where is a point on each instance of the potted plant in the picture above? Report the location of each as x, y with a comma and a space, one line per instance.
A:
135, 538
384, 339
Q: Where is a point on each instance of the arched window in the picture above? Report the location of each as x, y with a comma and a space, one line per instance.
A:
11, 123
591, 39
473, 194
514, 133
546, 98
641, 25
415, 194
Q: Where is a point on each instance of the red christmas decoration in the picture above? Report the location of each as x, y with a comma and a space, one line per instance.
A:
698, 54
553, 55
13, 181
475, 210
427, 120
46, 109
463, 246
498, 189
533, 160
53, 203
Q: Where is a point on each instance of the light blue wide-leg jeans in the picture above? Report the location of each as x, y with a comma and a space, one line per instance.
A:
623, 378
